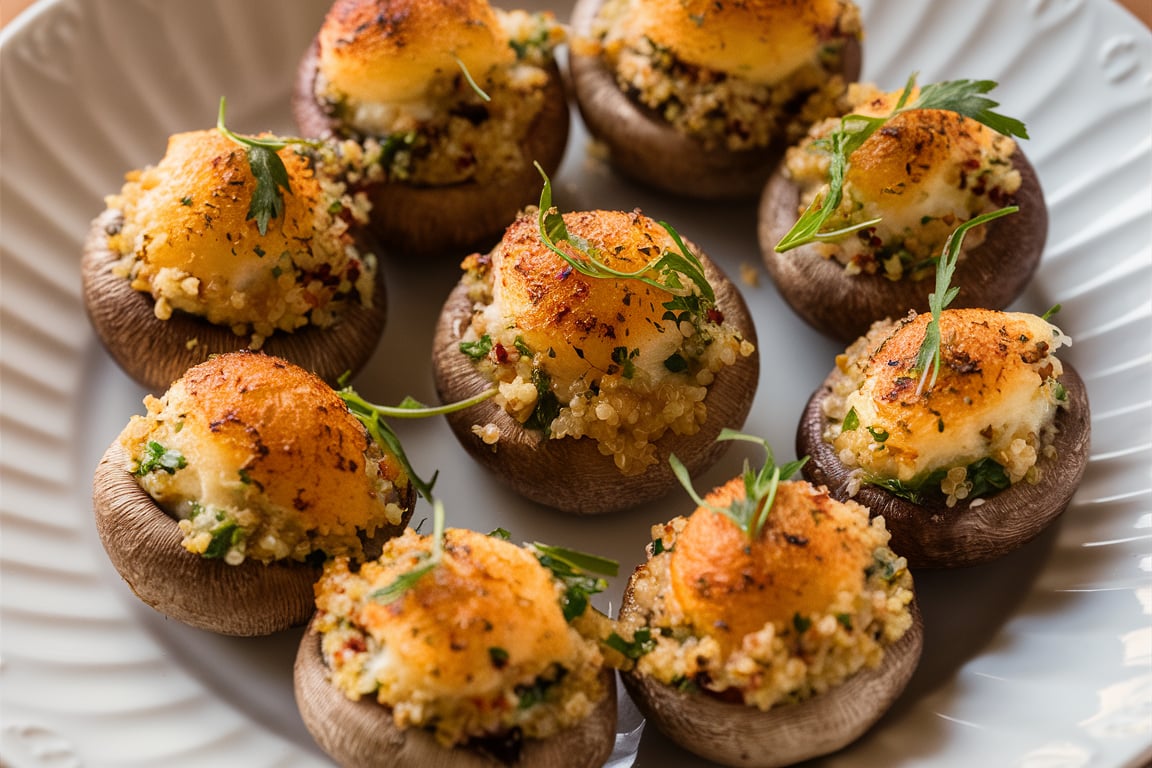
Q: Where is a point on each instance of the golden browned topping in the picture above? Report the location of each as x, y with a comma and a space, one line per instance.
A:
477, 646
187, 239
262, 459
733, 75
995, 398
603, 357
392, 50
776, 617
922, 173
759, 40
810, 550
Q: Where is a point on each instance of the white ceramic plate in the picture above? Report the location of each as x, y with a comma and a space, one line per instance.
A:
1041, 659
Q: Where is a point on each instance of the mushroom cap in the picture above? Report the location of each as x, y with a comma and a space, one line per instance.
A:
812, 548
391, 50
363, 733
843, 306
293, 436
645, 148
411, 220
144, 545
931, 534
572, 474
738, 735
188, 216
760, 40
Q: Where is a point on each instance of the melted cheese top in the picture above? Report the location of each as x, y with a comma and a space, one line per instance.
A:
998, 383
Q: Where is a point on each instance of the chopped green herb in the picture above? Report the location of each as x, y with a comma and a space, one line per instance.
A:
801, 623
271, 174
965, 97
851, 420
750, 512
675, 363
928, 359
159, 458
623, 357
479, 349
547, 404
879, 435
499, 657
641, 643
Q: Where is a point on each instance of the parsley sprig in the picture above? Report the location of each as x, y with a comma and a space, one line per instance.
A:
750, 512
928, 359
372, 416
965, 97
678, 272
428, 561
271, 175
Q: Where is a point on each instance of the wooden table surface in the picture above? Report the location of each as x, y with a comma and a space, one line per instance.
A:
1141, 8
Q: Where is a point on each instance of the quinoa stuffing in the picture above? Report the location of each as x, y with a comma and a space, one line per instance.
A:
185, 238
923, 173
475, 648
460, 125
774, 619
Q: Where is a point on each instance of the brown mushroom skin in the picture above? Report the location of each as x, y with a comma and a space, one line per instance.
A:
645, 148
569, 474
155, 352
362, 733
413, 220
843, 307
144, 545
932, 535
732, 733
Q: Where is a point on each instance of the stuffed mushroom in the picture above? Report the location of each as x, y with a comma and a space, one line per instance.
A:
455, 648
965, 468
699, 98
771, 625
853, 222
219, 505
612, 343
451, 101
210, 251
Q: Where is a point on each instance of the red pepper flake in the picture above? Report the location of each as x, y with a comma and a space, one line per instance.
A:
500, 353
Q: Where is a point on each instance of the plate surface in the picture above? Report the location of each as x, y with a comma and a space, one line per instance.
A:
1041, 659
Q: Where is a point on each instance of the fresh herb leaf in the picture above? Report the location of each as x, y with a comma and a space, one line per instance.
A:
641, 643
429, 560
965, 97
679, 272
928, 358
269, 170
675, 363
750, 512
479, 349
573, 569
1051, 311
372, 416
159, 458
471, 82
